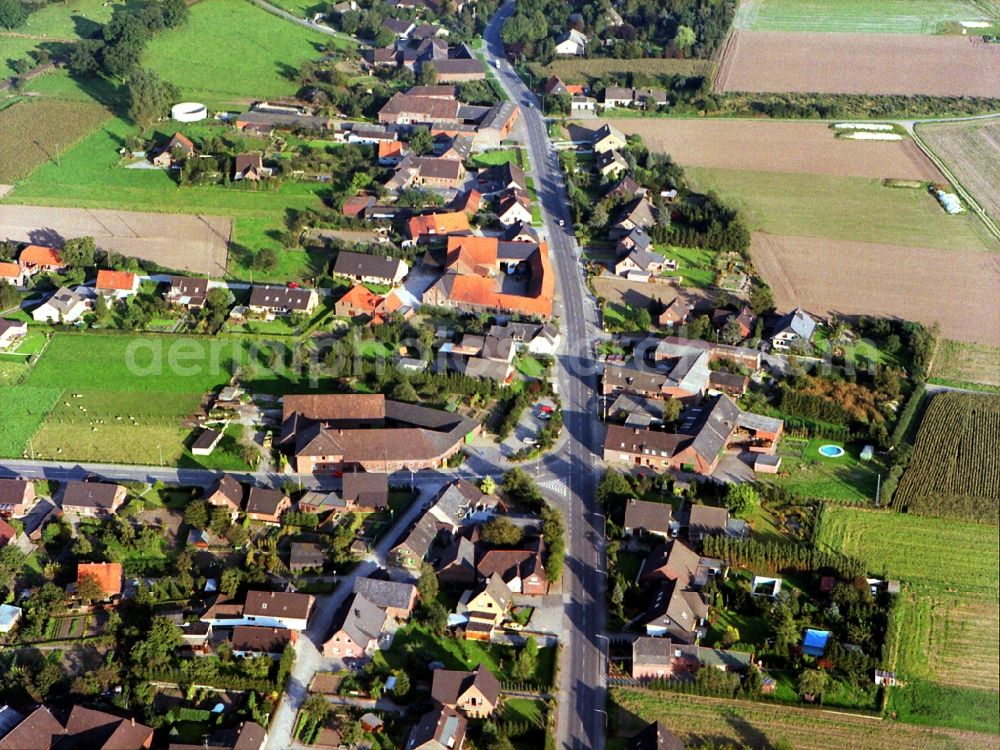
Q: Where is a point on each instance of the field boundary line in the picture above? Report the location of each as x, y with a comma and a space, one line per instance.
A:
956, 183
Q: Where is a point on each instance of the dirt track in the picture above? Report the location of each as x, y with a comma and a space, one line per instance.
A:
859, 64
176, 241
777, 146
957, 289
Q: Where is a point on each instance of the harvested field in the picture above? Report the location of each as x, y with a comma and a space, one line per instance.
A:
957, 289
798, 147
52, 124
716, 721
636, 294
967, 363
972, 151
859, 64
579, 70
176, 241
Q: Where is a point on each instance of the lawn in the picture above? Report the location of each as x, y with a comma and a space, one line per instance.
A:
497, 157
860, 351
629, 564
303, 8
55, 21
524, 709
529, 367
372, 349
231, 52
846, 479
843, 208
695, 266
459, 653
861, 16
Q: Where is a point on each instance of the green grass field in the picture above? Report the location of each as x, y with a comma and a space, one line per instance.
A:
803, 470
231, 52
843, 208
15, 48
22, 410
695, 266
862, 16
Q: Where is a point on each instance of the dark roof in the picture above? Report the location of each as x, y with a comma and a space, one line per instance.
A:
650, 442
261, 640
85, 729
306, 555
713, 427
14, 491
264, 501
277, 604
194, 287
39, 731
385, 593
642, 514
245, 162
228, 487
656, 736
458, 66
368, 490
442, 725
706, 520
448, 685
206, 439
361, 620
363, 264
90, 494
278, 297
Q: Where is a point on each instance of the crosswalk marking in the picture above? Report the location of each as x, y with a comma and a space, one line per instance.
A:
555, 485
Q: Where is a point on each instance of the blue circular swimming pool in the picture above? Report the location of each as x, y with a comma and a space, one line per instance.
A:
831, 451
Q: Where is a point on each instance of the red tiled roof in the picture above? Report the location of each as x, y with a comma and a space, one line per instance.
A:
395, 148
7, 532
109, 575
116, 280
362, 298
9, 270
39, 255
440, 224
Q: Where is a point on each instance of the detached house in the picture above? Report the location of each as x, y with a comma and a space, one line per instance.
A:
65, 305
356, 634
272, 300
266, 505
486, 609
792, 329
187, 291
249, 167
277, 609
607, 138
644, 517
39, 258
571, 43
364, 268
226, 493
11, 332
513, 207
16, 496
92, 498
440, 729
116, 284
178, 147
476, 694
521, 570
14, 274
108, 577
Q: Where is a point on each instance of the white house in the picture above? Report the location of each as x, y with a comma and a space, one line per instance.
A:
571, 43
268, 609
116, 284
11, 331
794, 328
512, 210
545, 342
65, 306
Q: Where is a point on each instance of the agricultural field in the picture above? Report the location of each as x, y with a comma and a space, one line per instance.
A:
22, 410
34, 131
858, 209
581, 70
971, 365
231, 52
971, 150
716, 721
947, 555
836, 63
796, 147
846, 277
955, 468
861, 16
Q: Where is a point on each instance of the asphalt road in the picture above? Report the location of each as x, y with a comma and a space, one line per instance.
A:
582, 682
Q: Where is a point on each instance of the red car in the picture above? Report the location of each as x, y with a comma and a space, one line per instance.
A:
546, 409
293, 285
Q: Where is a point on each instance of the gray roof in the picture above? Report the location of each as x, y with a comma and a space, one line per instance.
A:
717, 423
642, 514
706, 519
385, 593
363, 264
486, 369
362, 620
89, 494
367, 489
439, 729
655, 736
278, 297
306, 555
797, 322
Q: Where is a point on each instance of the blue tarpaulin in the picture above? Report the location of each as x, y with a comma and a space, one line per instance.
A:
814, 642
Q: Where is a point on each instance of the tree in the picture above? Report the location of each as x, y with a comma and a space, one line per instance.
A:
12, 14
672, 409
685, 38
761, 299
402, 686
501, 532
730, 636
157, 649
232, 579
812, 684
196, 514
9, 296
318, 707
487, 485
266, 259
404, 391
85, 57
434, 616
11, 560
731, 331
428, 75
427, 585
526, 662
149, 97
421, 142
78, 252
742, 499
642, 319
89, 590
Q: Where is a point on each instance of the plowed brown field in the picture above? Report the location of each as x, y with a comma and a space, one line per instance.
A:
776, 146
957, 289
972, 151
859, 64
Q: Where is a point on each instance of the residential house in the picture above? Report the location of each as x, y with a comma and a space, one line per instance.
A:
520, 232
401, 28
663, 659
83, 728
640, 265
457, 563
14, 274
364, 268
11, 332
637, 213
743, 321
272, 300
676, 313
17, 496
40, 259
358, 301
247, 736
521, 570
794, 329
397, 598
253, 640
187, 291
7, 533
177, 148
655, 736
637, 239
462, 503
267, 506
500, 177
678, 561
196, 636
730, 383
486, 609
366, 491
391, 153
676, 612
357, 205
607, 138
468, 202
476, 694
625, 189
65, 305
92, 498
645, 517
513, 207
618, 96
555, 87
305, 555
707, 520
610, 164
277, 609
249, 167
116, 284
673, 347
226, 493
581, 103
571, 42
40, 514
356, 632
440, 729
108, 576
